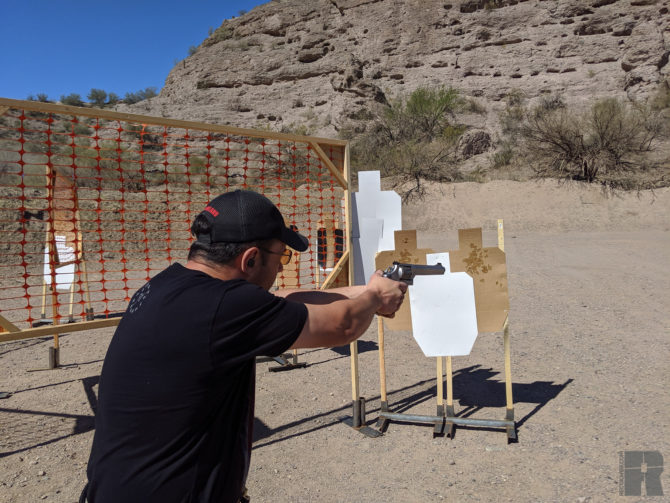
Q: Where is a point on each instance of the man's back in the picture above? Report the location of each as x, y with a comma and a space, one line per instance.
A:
177, 386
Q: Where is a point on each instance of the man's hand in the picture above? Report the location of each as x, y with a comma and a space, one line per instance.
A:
391, 293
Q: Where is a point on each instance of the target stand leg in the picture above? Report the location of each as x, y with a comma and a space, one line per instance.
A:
54, 358
357, 421
450, 426
511, 427
382, 422
438, 431
284, 363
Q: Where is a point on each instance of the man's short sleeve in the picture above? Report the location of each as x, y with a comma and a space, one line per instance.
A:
252, 322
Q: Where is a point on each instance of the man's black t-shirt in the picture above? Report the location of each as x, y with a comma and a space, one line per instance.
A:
176, 393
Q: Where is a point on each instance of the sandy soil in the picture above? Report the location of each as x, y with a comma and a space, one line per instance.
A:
588, 276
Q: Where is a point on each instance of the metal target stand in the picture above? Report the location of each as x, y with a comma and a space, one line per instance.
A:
446, 419
508, 424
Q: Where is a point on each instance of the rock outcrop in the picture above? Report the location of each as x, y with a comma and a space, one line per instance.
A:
318, 64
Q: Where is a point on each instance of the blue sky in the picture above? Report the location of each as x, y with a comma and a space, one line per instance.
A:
60, 47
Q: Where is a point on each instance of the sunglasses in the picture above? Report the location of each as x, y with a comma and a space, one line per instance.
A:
285, 255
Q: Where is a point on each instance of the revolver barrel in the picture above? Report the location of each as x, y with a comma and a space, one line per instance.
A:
406, 272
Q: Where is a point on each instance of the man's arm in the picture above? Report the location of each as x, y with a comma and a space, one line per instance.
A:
339, 316
321, 296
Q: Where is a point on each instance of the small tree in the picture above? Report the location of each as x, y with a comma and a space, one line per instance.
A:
97, 97
141, 95
413, 139
72, 99
112, 99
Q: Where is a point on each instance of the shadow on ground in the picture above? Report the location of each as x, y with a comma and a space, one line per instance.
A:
475, 390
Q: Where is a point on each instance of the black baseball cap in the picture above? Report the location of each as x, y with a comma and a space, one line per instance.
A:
242, 216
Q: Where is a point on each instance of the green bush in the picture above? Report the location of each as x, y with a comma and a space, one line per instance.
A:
97, 97
503, 157
41, 97
412, 139
72, 99
112, 99
141, 95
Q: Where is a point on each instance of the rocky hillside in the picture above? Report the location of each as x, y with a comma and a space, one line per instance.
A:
313, 65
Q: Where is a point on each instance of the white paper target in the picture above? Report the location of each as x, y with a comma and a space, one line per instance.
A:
365, 247
444, 318
64, 274
376, 215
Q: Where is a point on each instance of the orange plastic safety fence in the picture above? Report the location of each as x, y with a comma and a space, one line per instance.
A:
92, 207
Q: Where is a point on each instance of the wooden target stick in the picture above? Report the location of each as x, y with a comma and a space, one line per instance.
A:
382, 362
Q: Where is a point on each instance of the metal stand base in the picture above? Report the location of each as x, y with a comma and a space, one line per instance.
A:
508, 423
54, 357
41, 322
48, 321
357, 421
283, 361
448, 423
284, 364
385, 417
54, 360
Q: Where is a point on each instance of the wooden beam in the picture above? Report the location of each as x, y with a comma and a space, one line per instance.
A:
337, 270
59, 329
161, 121
8, 325
329, 164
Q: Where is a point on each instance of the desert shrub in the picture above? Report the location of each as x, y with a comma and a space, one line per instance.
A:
112, 99
223, 32
41, 97
141, 95
512, 117
81, 129
72, 99
588, 145
503, 157
412, 139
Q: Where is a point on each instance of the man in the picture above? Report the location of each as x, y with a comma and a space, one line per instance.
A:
176, 394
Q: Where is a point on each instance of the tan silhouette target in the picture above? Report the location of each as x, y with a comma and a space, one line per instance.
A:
488, 269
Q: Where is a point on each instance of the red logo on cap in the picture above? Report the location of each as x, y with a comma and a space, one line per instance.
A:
212, 211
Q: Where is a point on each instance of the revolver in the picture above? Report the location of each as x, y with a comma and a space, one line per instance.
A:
406, 272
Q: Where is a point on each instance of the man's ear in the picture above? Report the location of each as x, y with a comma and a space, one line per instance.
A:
248, 259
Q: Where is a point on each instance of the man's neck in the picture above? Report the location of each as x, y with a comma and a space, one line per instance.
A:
223, 272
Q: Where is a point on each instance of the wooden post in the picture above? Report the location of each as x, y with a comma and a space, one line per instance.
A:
450, 391
81, 261
355, 389
53, 260
501, 235
508, 371
440, 382
509, 398
382, 361
450, 426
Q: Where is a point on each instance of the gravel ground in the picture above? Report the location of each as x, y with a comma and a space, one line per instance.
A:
590, 350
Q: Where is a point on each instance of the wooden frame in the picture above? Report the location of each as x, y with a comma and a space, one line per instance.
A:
339, 169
